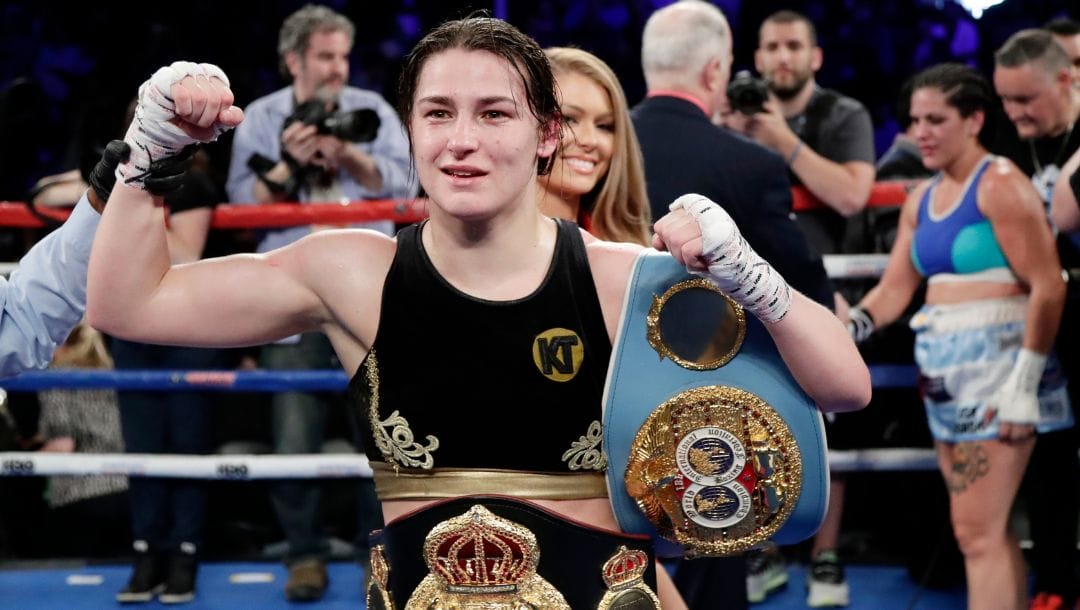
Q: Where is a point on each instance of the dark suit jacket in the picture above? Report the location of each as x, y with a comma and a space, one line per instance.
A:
685, 153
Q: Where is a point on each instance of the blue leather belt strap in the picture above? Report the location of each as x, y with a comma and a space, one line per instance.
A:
639, 381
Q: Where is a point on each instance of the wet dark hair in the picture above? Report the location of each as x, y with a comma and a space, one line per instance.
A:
964, 88
484, 33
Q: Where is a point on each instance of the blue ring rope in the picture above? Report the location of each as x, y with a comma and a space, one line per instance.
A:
882, 376
179, 380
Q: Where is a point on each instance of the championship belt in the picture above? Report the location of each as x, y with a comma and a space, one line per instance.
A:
712, 446
500, 553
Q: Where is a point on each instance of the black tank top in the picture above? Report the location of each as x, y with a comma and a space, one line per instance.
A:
453, 381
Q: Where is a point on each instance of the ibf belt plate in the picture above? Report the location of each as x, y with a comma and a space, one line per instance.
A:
712, 445
716, 469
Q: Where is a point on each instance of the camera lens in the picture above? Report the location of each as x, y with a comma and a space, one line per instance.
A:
747, 94
356, 126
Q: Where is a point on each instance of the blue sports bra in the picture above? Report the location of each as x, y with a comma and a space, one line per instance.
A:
959, 241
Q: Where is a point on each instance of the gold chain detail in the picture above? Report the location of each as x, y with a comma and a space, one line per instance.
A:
393, 436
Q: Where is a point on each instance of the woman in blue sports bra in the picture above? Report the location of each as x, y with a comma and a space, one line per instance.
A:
978, 233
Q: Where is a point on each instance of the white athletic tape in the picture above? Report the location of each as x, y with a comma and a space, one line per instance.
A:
733, 265
1017, 400
151, 135
717, 227
860, 325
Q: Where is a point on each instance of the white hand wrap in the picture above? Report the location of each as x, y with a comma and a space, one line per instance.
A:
151, 135
860, 325
733, 265
1017, 400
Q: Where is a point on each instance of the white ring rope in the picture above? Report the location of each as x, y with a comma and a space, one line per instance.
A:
230, 467
882, 460
854, 266
296, 466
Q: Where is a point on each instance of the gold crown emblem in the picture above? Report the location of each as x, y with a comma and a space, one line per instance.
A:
480, 551
625, 568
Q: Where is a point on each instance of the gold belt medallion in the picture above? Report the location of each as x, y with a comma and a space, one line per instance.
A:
624, 576
716, 470
480, 561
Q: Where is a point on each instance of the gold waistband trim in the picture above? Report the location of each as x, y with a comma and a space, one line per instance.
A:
453, 482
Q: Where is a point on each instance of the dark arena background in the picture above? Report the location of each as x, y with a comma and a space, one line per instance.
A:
69, 69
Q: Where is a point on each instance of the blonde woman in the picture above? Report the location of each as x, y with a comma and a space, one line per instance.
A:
598, 178
84, 421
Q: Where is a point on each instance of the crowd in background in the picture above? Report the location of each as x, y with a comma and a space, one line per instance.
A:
70, 71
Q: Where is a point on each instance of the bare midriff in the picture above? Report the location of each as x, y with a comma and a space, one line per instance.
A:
947, 293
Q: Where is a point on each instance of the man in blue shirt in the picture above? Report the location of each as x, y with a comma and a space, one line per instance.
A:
301, 164
46, 296
284, 152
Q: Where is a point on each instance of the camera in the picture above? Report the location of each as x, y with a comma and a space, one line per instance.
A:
353, 126
747, 94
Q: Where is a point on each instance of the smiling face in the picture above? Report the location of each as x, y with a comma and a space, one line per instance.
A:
475, 140
588, 137
941, 134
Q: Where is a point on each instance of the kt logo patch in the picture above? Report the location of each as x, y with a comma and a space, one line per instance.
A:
558, 354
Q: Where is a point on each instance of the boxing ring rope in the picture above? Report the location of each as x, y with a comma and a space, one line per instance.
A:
402, 211
226, 467
332, 466
180, 380
254, 467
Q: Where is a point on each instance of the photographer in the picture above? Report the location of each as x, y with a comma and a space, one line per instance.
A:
295, 145
289, 150
838, 168
827, 140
